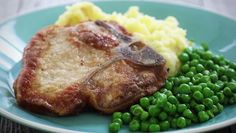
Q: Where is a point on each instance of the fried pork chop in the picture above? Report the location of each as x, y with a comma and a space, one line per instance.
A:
97, 64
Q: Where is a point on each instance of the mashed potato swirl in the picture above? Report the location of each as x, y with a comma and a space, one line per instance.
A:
164, 36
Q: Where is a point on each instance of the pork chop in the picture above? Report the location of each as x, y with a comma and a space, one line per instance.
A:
97, 64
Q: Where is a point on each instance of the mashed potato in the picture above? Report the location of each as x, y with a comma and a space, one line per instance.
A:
164, 36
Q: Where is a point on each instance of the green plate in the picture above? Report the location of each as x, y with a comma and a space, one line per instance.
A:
202, 26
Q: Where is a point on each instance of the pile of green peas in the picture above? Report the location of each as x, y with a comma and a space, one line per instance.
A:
204, 85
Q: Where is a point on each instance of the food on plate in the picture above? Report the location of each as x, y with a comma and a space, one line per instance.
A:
164, 36
201, 89
94, 63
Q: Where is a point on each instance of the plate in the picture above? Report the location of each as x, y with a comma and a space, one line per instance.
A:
201, 25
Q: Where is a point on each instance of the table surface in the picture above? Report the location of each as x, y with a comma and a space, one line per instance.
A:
14, 7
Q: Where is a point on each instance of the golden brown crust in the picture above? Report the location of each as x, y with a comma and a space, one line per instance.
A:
119, 82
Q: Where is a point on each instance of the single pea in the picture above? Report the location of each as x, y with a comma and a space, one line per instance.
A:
220, 107
197, 95
184, 79
153, 120
184, 57
207, 55
203, 85
126, 117
203, 116
137, 111
170, 108
172, 99
163, 116
188, 113
227, 91
194, 62
221, 84
144, 115
144, 126
153, 110
168, 93
116, 115
214, 109
193, 103
215, 99
164, 125
195, 56
200, 107
221, 70
118, 120
168, 85
189, 74
195, 119
133, 107
210, 64
224, 78
185, 68
188, 122
208, 102
210, 114
154, 128
200, 68
151, 98
134, 125
144, 102
193, 69
206, 72
114, 127
181, 122
181, 107
161, 99
173, 123
188, 50
196, 88
184, 89
205, 79
214, 77
207, 92
230, 72
162, 90
232, 86
220, 96
213, 87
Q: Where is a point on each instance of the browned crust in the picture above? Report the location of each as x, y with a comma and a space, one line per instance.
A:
35, 101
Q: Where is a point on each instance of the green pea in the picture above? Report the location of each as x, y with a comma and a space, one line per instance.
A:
168, 93
154, 128
215, 99
230, 72
153, 120
200, 107
200, 68
185, 68
114, 127
232, 86
220, 107
195, 56
144, 126
173, 123
203, 85
207, 55
214, 109
196, 88
170, 108
213, 87
153, 110
168, 85
197, 95
151, 98
184, 89
204, 79
194, 62
203, 116
207, 92
227, 91
184, 57
144, 115
172, 99
210, 64
189, 74
204, 46
208, 102
181, 122
133, 107
193, 69
181, 107
188, 50
188, 113
224, 78
116, 115
134, 125
126, 117
220, 96
188, 122
165, 125
214, 77
184, 79
137, 111
206, 72
210, 114
118, 120
161, 99
220, 84
144, 102
195, 119
163, 116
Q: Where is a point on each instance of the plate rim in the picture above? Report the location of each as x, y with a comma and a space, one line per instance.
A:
44, 127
